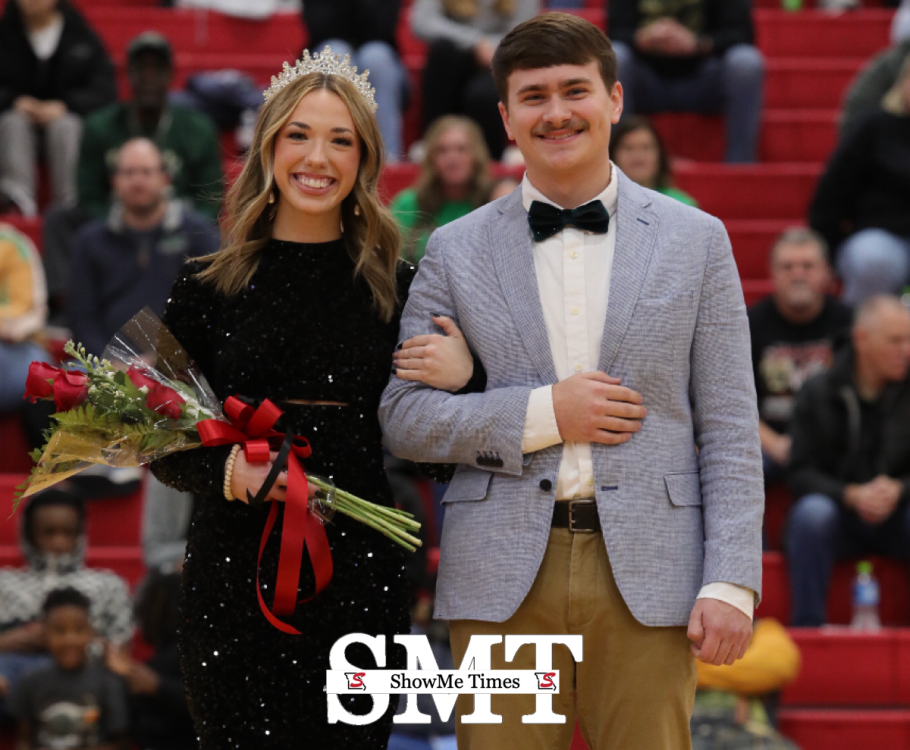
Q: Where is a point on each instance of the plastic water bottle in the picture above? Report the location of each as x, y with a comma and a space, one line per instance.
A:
865, 599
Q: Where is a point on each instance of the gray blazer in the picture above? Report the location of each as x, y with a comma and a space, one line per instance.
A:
681, 503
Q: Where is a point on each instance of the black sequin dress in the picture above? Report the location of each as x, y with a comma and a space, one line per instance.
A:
304, 329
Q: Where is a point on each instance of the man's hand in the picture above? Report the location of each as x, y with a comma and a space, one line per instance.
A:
49, 111
666, 36
875, 500
719, 632
779, 448
593, 407
27, 106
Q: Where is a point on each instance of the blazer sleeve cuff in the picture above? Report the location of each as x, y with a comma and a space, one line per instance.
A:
738, 596
540, 430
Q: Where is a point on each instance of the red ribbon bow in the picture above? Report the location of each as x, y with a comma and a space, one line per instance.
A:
253, 429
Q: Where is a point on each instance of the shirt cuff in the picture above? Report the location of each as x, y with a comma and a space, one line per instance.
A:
540, 422
737, 596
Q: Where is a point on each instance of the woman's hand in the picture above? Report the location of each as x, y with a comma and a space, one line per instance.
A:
443, 362
251, 477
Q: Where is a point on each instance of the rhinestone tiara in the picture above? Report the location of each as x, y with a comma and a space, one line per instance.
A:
324, 62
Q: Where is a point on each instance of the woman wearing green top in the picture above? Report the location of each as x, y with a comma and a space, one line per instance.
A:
454, 180
636, 148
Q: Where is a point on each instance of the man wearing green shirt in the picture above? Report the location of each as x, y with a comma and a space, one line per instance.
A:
186, 138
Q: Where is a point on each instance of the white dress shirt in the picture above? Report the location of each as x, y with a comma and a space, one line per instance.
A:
574, 268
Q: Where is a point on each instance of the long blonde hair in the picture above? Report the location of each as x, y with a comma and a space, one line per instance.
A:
895, 101
429, 189
371, 235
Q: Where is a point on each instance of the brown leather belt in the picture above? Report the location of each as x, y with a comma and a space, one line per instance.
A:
578, 516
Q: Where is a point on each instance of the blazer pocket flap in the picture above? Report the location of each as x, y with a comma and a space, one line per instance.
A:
684, 489
467, 484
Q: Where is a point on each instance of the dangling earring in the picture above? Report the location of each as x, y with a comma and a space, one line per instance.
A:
272, 196
356, 209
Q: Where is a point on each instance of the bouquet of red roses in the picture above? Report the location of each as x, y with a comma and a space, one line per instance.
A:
145, 398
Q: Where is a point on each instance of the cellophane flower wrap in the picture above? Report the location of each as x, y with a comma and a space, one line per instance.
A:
138, 402
144, 399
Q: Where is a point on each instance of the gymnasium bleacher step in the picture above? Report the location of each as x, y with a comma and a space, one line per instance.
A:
815, 729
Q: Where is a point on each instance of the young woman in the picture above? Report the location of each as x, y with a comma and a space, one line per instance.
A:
454, 180
636, 148
301, 306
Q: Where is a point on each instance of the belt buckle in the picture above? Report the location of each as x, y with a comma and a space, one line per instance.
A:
572, 505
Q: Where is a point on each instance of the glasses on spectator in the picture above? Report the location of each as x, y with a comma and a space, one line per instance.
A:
138, 171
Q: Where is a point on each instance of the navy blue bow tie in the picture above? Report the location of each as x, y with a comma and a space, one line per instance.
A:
547, 220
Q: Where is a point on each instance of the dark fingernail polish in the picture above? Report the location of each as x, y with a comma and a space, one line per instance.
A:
394, 370
436, 315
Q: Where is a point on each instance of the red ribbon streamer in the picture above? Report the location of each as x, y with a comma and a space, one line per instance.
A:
253, 429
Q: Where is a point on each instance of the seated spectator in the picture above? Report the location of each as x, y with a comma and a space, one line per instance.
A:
637, 149
130, 261
502, 187
793, 334
53, 71
463, 35
732, 702
850, 459
75, 701
454, 180
861, 202
365, 30
159, 713
53, 544
187, 139
698, 56
23, 309
872, 84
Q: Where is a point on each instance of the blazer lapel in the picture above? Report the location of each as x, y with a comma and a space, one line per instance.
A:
513, 258
636, 232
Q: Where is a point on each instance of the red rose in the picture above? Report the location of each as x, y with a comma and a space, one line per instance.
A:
36, 384
165, 401
70, 389
140, 379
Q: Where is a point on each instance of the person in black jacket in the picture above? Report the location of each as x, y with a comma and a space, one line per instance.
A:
862, 202
365, 30
692, 56
159, 713
53, 71
850, 457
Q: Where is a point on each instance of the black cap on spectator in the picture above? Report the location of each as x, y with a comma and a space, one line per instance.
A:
151, 41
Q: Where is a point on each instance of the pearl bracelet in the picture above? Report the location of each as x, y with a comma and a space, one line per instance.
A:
229, 472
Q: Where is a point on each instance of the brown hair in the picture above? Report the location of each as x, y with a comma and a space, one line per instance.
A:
462, 10
370, 235
548, 40
428, 187
631, 124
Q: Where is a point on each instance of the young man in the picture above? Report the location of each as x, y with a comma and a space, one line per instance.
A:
74, 702
619, 417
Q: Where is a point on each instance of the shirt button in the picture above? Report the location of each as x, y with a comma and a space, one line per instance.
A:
575, 311
573, 255
546, 485
578, 367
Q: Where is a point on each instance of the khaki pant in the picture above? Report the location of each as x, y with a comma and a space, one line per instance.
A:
634, 688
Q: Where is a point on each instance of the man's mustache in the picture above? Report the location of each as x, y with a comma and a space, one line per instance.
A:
574, 124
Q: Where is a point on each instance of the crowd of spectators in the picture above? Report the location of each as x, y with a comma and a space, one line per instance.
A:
136, 184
